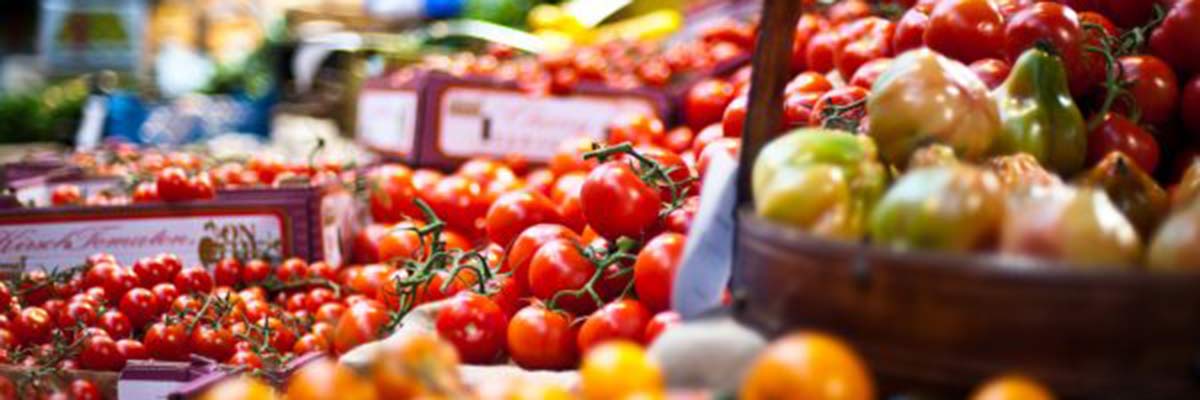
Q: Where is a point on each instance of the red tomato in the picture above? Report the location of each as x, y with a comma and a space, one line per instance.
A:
849, 10
542, 339
679, 171
734, 118
557, 266
1061, 28
201, 186
808, 82
620, 320
514, 212
566, 193
1189, 108
617, 203
910, 31
659, 324
808, 26
569, 156
728, 146
361, 323
706, 101
99, 353
843, 96
391, 194
291, 269
130, 349
212, 342
227, 272
329, 312
95, 275
33, 325
7, 389
1178, 38
255, 271
150, 271
173, 184
5, 296
66, 194
991, 71
867, 39
118, 282
867, 74
247, 359
654, 271
820, 52
140, 305
636, 128
82, 389
194, 279
966, 30
78, 312
459, 201
171, 263
165, 293
145, 192
1153, 86
116, 324
475, 325
166, 342
680, 219
1128, 13
1117, 133
433, 290
365, 248
797, 108
522, 249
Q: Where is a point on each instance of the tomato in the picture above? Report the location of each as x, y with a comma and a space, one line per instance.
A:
116, 324
296, 302
118, 282
566, 193
361, 323
165, 294
620, 320
557, 266
808, 82
166, 342
212, 342
459, 201
522, 249
243, 387
910, 31
848, 11
495, 177
654, 270
991, 71
808, 365
867, 74
539, 338
100, 353
172, 184
255, 271
171, 263
130, 349
820, 52
568, 157
1128, 13
309, 343
616, 202
636, 128
808, 26
728, 146
201, 186
841, 97
8, 390
1189, 108
660, 323
185, 303
365, 248
282, 336
705, 102
1177, 39
391, 194
318, 297
1117, 133
150, 271
618, 369
475, 325
513, 212
680, 219
227, 272
326, 379
797, 108
1154, 88
247, 359
33, 325
966, 30
55, 308
367, 280
194, 279
1062, 29
1012, 387
6, 296
734, 118
83, 389
433, 290
78, 312
867, 39
140, 305
66, 194
678, 170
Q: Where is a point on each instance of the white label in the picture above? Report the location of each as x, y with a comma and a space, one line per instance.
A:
195, 239
387, 119
145, 389
490, 122
39, 195
337, 210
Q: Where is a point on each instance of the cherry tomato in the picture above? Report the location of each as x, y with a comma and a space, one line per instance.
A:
867, 74
539, 338
365, 248
165, 294
118, 282
459, 201
150, 271
99, 352
78, 312
1178, 37
140, 305
172, 184
620, 320
840, 97
116, 324
654, 270
910, 31
172, 263
616, 202
618, 370
33, 325
291, 269
247, 359
130, 349
83, 389
66, 194
516, 211
1154, 88
808, 26
559, 266
166, 342
193, 280
705, 102
475, 325
227, 272
991, 71
5, 296
820, 52
255, 271
636, 128
201, 186
568, 157
734, 118
1117, 133
871, 41
797, 108
566, 193
212, 342
361, 323
966, 30
391, 194
660, 323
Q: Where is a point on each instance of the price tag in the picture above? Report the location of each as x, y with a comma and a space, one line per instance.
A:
387, 120
476, 121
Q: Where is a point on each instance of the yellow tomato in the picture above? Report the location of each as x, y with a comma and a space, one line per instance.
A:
808, 365
618, 369
416, 365
1012, 387
242, 388
325, 379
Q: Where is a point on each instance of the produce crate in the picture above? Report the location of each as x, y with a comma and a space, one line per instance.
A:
105, 381
307, 222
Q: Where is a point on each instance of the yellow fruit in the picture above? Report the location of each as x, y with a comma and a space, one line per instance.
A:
808, 366
1012, 387
241, 388
618, 369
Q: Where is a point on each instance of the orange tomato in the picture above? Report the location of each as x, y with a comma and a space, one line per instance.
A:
808, 365
1012, 387
619, 369
325, 379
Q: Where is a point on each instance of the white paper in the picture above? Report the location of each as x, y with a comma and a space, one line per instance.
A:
707, 258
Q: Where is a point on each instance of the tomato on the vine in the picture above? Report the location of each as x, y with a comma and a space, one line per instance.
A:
131, 349
1114, 132
33, 325
194, 279
165, 341
566, 194
99, 352
513, 212
83, 389
361, 323
255, 271
705, 102
391, 194
622, 319
1178, 37
140, 305
539, 338
557, 266
1189, 107
212, 342
81, 312
654, 270
116, 324
173, 184
227, 272
475, 325
966, 30
1153, 87
616, 202
636, 128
